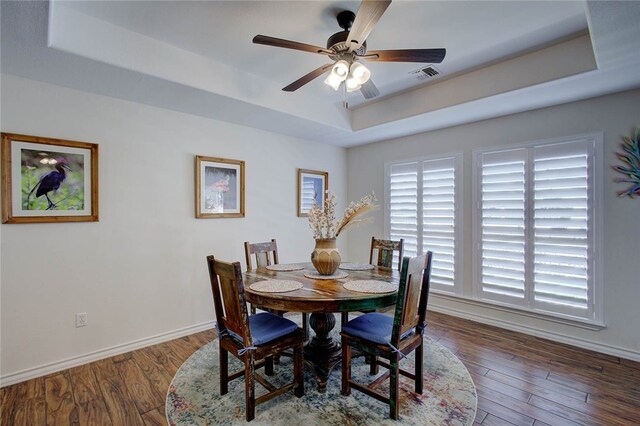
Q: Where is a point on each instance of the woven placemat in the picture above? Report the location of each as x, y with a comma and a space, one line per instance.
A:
356, 266
276, 286
283, 267
336, 276
370, 286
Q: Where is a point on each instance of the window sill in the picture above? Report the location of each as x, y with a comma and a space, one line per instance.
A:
557, 318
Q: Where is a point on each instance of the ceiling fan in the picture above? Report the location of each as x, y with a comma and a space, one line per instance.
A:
346, 48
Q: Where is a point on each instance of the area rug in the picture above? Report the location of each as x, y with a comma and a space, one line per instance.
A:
449, 395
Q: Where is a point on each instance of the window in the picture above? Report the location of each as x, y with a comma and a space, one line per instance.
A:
424, 208
535, 227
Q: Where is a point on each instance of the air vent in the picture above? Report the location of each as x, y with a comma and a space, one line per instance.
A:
425, 73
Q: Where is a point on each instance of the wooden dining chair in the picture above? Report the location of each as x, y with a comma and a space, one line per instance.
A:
392, 337
254, 339
267, 254
385, 250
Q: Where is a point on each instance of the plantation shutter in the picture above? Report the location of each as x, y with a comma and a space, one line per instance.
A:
403, 206
502, 225
561, 225
438, 219
536, 227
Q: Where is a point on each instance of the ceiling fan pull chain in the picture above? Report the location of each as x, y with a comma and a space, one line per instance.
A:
345, 104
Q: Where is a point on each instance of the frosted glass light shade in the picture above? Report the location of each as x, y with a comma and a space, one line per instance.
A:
338, 73
333, 81
352, 84
340, 69
360, 72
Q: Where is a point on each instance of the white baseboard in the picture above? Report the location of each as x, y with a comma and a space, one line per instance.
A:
64, 364
556, 337
75, 361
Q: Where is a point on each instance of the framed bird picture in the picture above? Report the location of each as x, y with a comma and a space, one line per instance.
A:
219, 188
48, 180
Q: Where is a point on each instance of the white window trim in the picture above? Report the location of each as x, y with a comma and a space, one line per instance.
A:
523, 311
598, 224
459, 218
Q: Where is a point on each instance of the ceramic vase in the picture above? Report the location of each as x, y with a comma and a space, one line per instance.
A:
326, 257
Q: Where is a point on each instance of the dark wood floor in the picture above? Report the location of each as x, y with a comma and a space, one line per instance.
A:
521, 380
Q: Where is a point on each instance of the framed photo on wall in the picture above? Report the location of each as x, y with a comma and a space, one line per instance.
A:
312, 188
48, 180
219, 187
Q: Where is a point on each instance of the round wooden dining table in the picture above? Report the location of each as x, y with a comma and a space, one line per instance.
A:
321, 298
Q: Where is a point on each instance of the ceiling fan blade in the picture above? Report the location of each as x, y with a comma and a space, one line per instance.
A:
369, 90
431, 56
368, 15
288, 44
307, 78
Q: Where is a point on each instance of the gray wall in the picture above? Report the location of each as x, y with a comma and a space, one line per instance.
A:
615, 115
140, 272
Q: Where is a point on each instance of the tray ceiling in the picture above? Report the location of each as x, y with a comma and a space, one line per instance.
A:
197, 57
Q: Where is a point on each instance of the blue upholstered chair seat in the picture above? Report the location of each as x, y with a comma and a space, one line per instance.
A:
266, 327
374, 327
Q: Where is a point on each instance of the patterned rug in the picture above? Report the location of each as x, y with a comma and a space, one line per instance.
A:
449, 395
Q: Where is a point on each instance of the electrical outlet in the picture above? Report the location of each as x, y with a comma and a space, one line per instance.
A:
81, 319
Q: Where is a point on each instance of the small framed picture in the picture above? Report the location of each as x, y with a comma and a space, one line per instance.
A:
312, 189
48, 180
219, 187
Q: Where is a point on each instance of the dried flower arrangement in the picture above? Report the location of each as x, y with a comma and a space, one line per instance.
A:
323, 222
630, 155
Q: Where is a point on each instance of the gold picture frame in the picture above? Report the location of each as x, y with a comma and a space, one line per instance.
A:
219, 188
46, 180
312, 187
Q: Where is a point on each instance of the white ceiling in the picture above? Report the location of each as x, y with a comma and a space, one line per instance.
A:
197, 57
473, 33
